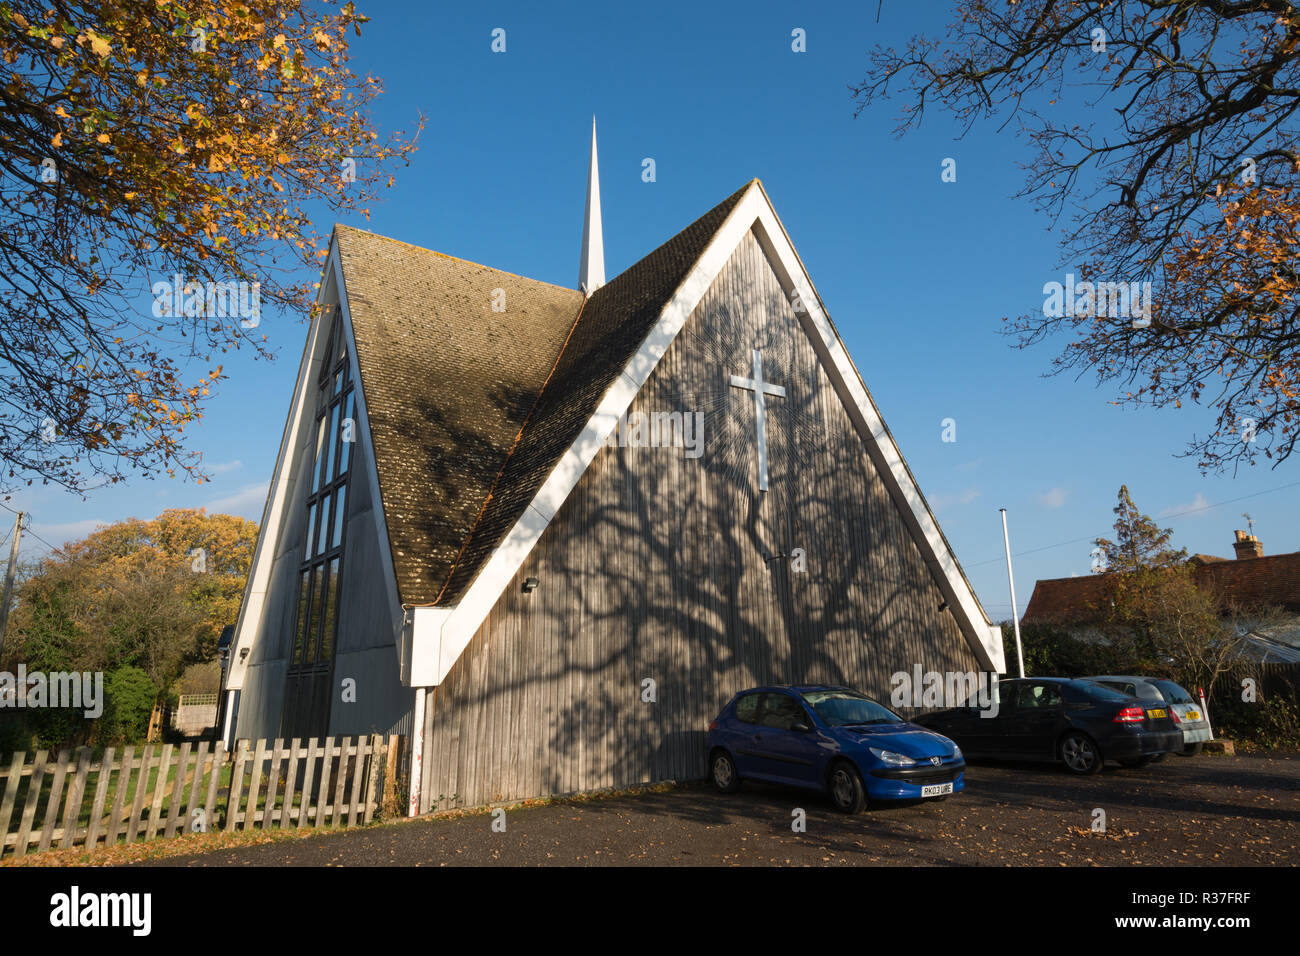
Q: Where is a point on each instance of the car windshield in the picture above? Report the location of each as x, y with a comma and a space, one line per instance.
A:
843, 708
1173, 693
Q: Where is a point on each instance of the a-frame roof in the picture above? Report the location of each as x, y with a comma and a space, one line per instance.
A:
484, 421
470, 409
614, 323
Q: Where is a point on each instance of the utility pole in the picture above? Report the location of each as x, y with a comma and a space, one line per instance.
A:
9, 579
1015, 615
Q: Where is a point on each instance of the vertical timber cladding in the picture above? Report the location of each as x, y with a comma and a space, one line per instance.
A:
654, 569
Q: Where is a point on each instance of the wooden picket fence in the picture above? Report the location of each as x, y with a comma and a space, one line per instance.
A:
151, 792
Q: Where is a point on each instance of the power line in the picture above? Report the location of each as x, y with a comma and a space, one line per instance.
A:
1177, 514
27, 529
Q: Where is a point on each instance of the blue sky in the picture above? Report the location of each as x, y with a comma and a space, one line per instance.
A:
916, 273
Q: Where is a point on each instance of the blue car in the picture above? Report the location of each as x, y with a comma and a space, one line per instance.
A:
830, 739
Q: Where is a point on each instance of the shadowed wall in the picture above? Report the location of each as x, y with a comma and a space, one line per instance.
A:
654, 569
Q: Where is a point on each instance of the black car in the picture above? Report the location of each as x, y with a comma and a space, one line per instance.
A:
1078, 722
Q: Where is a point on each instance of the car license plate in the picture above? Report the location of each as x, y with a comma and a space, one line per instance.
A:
1158, 712
1193, 715
936, 790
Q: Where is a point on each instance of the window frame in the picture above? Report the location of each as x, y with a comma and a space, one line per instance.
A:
324, 539
800, 709
758, 703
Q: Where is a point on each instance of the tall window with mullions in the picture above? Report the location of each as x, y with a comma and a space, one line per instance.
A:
311, 656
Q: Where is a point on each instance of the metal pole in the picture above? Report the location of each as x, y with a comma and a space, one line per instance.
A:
1015, 614
9, 579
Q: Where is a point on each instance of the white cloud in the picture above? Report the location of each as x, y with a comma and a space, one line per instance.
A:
61, 534
222, 467
1198, 504
1054, 498
938, 502
248, 501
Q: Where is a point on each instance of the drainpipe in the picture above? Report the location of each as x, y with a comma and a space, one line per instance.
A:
229, 729
1011, 581
417, 751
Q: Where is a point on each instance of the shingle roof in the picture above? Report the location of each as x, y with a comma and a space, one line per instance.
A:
471, 409
1271, 581
447, 384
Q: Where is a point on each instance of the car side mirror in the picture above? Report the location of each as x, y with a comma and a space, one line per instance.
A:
800, 726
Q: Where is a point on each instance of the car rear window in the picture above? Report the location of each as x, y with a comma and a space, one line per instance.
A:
1173, 693
1098, 691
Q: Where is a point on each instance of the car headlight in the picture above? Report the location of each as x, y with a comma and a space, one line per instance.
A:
891, 759
956, 751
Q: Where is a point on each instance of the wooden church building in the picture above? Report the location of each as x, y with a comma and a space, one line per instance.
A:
549, 532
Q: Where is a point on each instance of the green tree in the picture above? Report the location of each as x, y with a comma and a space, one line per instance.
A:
149, 594
1160, 620
130, 700
1139, 543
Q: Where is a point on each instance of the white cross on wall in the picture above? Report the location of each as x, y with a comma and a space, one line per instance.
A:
759, 388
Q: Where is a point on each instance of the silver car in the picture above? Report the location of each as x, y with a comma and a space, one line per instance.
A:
1191, 721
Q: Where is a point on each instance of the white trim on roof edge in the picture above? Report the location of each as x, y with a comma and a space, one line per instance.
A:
438, 636
366, 441
287, 466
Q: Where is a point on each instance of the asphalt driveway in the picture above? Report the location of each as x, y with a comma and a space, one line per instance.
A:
1206, 810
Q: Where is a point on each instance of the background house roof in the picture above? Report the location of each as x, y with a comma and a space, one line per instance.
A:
470, 409
1271, 581
1066, 600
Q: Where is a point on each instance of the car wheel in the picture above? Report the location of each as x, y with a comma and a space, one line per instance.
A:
1136, 763
1079, 753
1192, 750
845, 788
723, 771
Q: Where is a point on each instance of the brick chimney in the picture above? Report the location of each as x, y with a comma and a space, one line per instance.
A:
1247, 545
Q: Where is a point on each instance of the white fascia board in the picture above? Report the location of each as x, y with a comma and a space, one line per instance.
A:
985, 639
451, 630
249, 622
457, 629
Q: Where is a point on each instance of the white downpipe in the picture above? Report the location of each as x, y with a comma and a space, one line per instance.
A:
230, 719
417, 751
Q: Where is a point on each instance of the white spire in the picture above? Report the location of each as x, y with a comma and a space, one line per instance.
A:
591, 271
